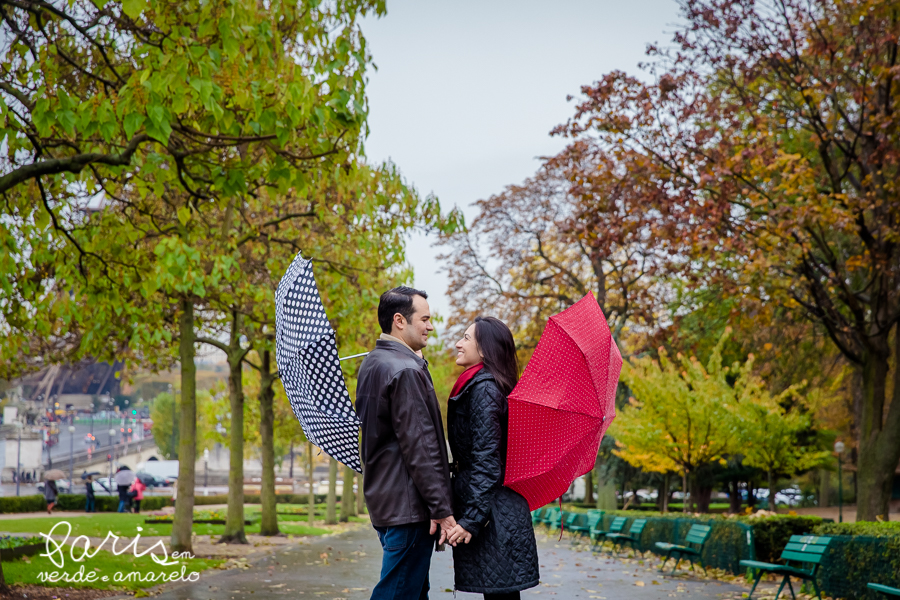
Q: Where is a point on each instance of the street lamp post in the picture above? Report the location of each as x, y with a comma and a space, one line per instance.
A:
19, 457
206, 468
71, 454
839, 449
112, 432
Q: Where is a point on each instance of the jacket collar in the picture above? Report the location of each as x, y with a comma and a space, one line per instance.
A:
482, 375
400, 348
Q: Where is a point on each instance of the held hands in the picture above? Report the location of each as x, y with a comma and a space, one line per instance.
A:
457, 535
446, 524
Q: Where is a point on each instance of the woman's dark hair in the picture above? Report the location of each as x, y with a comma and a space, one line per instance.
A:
496, 344
397, 300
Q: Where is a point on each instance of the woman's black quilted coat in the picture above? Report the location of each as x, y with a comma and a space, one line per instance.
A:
502, 556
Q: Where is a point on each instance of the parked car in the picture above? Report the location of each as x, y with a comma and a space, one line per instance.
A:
149, 480
789, 496
62, 486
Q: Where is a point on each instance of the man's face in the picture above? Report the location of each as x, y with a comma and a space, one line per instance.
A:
415, 332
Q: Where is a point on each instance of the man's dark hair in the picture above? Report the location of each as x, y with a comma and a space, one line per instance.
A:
397, 300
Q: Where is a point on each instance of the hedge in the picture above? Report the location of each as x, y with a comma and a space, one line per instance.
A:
859, 553
731, 540
105, 503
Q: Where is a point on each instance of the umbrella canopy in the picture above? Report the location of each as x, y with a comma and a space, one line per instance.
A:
307, 355
563, 404
124, 477
53, 475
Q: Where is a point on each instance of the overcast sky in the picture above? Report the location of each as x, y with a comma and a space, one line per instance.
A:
466, 93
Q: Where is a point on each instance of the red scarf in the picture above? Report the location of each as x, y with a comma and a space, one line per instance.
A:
465, 378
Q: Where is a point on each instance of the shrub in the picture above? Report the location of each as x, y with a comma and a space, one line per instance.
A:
772, 533
859, 553
107, 503
731, 540
17, 504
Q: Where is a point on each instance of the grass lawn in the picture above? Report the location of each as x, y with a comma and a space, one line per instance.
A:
126, 524
116, 569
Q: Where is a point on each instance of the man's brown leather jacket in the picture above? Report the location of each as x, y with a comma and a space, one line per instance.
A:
404, 452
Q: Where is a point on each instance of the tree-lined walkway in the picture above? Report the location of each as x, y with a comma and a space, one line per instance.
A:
346, 566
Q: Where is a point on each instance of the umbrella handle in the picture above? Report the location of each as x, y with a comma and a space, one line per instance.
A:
278, 373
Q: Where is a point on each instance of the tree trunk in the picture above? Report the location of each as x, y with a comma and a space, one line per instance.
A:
311, 499
879, 438
268, 503
589, 487
824, 488
734, 493
234, 518
606, 495
4, 589
770, 475
704, 495
360, 496
348, 500
291, 472
663, 494
751, 497
187, 452
684, 491
331, 505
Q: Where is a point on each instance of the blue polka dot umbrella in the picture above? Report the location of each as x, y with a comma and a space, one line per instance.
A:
307, 355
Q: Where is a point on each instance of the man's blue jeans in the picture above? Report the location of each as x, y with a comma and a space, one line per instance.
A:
407, 559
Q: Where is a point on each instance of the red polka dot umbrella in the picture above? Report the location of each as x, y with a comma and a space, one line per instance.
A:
563, 404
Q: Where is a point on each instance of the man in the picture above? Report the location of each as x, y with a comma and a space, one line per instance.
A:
407, 482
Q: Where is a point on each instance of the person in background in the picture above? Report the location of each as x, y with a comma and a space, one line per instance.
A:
91, 504
50, 494
137, 488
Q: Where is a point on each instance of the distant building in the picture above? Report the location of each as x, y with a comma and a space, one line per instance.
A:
74, 385
28, 454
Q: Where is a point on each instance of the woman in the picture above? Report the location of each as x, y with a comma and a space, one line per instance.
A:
494, 550
137, 488
50, 494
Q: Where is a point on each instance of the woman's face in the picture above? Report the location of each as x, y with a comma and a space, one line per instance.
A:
467, 354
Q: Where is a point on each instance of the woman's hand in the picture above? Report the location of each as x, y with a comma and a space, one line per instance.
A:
457, 535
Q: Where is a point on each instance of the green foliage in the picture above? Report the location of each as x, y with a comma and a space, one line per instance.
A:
24, 572
162, 411
727, 544
860, 553
679, 417
9, 542
772, 533
868, 528
18, 504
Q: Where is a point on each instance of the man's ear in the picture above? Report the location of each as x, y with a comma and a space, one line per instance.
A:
399, 321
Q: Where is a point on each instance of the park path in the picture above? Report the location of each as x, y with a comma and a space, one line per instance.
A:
346, 566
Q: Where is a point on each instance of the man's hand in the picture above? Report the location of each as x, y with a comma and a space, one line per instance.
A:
446, 524
457, 535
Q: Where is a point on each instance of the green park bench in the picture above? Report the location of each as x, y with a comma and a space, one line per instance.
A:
573, 520
556, 519
536, 516
549, 515
800, 550
884, 589
633, 537
616, 526
693, 545
590, 521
